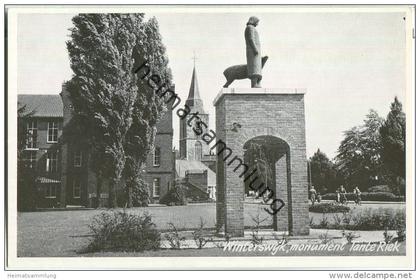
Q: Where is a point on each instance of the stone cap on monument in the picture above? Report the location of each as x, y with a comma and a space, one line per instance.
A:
258, 91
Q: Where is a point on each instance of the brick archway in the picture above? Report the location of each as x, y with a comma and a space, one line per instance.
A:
246, 114
270, 156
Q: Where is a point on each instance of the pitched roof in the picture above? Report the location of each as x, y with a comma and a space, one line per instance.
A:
45, 105
194, 166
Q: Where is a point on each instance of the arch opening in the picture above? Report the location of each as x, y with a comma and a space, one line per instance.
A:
270, 157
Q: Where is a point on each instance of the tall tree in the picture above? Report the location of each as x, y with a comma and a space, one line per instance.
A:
392, 135
358, 158
148, 107
324, 175
103, 89
118, 109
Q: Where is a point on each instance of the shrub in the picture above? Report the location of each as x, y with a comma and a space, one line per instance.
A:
377, 219
328, 208
350, 236
200, 236
324, 222
401, 234
121, 231
325, 238
337, 219
255, 234
379, 188
387, 237
174, 238
175, 196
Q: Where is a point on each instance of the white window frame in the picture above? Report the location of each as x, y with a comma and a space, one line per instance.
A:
32, 134
77, 159
156, 156
53, 127
156, 180
76, 182
51, 160
31, 158
48, 191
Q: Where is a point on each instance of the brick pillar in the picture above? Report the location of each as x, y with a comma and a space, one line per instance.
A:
220, 195
299, 194
234, 199
280, 220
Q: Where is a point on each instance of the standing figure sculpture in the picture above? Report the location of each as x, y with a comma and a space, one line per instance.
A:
253, 52
255, 62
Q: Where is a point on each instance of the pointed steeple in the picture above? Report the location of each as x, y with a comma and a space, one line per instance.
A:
194, 99
194, 91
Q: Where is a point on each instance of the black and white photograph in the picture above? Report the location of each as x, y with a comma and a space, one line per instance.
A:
220, 136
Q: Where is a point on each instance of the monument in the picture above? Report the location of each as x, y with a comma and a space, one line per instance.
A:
270, 118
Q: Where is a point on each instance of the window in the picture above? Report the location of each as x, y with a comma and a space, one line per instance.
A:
30, 158
32, 132
52, 135
156, 187
76, 188
198, 150
77, 159
156, 157
52, 161
50, 191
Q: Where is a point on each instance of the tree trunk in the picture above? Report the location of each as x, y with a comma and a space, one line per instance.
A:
98, 191
130, 194
113, 183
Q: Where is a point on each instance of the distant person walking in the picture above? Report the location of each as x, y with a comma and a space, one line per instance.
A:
343, 192
312, 194
358, 196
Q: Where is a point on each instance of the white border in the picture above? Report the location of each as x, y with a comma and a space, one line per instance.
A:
327, 263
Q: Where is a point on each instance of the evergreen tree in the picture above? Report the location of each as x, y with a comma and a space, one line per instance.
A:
392, 135
324, 175
103, 89
148, 108
116, 107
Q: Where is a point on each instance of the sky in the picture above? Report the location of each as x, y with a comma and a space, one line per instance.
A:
348, 62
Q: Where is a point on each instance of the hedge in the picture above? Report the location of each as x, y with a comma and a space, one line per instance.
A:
328, 208
367, 196
175, 196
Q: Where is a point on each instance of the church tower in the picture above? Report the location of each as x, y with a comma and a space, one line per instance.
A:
191, 146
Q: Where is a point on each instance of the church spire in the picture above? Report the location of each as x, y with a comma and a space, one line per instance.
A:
194, 91
194, 99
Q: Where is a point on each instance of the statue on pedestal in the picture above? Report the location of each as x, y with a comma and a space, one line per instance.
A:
251, 70
253, 52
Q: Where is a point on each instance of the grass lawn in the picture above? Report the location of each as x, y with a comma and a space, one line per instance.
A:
64, 233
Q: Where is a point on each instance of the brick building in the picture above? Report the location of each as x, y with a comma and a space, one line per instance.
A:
195, 166
63, 171
42, 151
